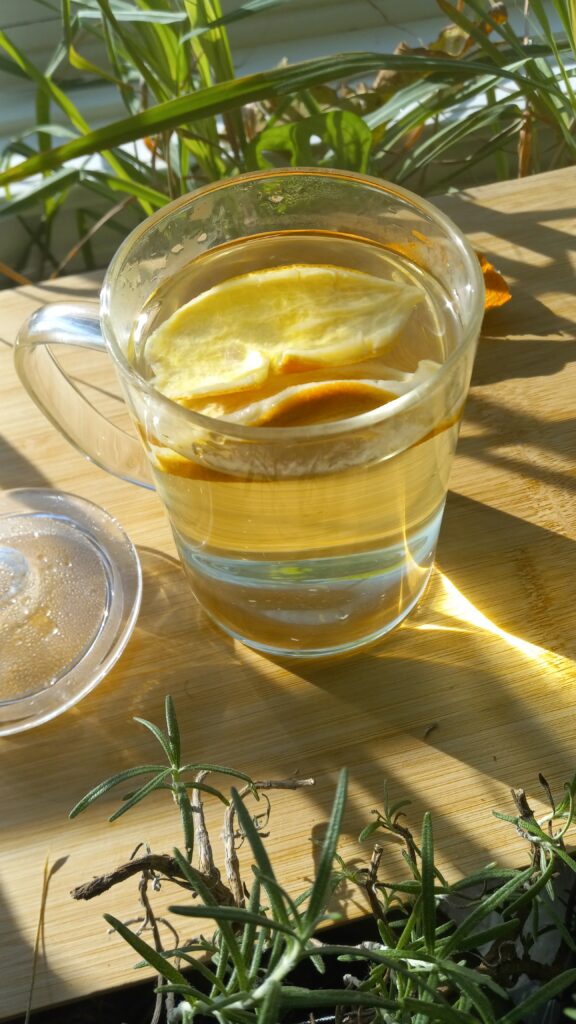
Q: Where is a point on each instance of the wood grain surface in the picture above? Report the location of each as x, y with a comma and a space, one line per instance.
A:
474, 694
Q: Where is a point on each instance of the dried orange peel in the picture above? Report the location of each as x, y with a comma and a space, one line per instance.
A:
497, 290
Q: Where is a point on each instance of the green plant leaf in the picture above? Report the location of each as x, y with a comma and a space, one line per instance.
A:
262, 860
545, 992
428, 875
50, 186
173, 729
220, 769
297, 998
139, 794
506, 930
249, 934
108, 784
441, 1013
268, 1010
350, 138
129, 187
369, 830
212, 910
488, 904
230, 95
321, 888
149, 954
161, 737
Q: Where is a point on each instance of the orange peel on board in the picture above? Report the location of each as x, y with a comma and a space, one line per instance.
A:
497, 290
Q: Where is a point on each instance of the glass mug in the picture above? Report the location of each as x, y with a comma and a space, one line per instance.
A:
297, 540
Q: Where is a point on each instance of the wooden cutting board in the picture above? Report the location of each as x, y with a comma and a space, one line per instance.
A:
473, 695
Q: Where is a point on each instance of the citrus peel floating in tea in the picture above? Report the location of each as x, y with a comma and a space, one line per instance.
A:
273, 322
324, 401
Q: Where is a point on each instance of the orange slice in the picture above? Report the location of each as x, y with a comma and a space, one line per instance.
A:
277, 321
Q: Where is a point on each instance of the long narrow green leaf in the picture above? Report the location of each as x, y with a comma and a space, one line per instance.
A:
151, 955
139, 794
230, 95
108, 183
506, 930
428, 875
50, 186
532, 891
235, 914
173, 729
268, 1011
212, 910
548, 991
10, 68
249, 935
186, 819
304, 999
321, 888
114, 780
51, 90
488, 904
441, 1013
219, 769
160, 736
205, 788
262, 859
76, 60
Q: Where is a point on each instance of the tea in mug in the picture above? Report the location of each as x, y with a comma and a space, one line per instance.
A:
300, 547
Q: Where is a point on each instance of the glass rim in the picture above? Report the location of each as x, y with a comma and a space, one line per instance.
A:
373, 417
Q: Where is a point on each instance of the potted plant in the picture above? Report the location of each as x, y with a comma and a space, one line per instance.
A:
434, 950
491, 97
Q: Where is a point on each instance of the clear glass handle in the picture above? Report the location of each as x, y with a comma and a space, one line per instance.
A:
75, 324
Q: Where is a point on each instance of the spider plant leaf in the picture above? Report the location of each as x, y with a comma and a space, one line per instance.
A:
220, 98
69, 25
9, 67
133, 15
149, 954
58, 131
567, 14
214, 63
321, 888
139, 794
109, 184
114, 780
53, 185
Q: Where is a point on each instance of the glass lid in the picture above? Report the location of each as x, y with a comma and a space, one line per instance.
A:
70, 590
